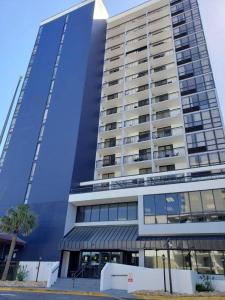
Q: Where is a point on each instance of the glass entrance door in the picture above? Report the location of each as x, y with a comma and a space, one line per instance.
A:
93, 262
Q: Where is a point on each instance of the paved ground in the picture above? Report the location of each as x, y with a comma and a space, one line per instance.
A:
41, 296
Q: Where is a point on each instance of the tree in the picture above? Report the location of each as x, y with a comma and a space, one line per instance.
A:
20, 220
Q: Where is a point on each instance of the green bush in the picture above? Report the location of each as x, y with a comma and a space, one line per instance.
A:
206, 285
22, 273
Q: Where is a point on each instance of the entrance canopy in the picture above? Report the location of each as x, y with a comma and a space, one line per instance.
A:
101, 237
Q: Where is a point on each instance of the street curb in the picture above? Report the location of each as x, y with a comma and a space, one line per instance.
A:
56, 292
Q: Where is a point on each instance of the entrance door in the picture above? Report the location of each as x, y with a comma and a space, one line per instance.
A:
73, 262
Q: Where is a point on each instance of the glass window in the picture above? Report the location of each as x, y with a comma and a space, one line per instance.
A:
113, 212
149, 209
208, 201
132, 211
195, 201
173, 208
150, 259
87, 214
219, 196
122, 212
161, 210
95, 213
104, 213
80, 214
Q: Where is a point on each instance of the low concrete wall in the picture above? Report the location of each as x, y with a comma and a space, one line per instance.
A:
48, 271
131, 278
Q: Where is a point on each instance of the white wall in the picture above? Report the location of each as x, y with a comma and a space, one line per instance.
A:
131, 278
48, 271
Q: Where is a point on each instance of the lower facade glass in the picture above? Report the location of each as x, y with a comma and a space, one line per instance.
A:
204, 262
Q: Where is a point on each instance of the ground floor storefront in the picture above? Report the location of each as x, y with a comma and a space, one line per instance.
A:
87, 249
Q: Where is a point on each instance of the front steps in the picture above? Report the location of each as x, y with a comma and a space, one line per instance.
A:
80, 284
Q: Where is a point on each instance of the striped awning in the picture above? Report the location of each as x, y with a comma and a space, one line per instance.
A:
101, 238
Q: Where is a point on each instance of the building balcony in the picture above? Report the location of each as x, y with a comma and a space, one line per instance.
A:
136, 158
162, 134
176, 152
136, 139
167, 118
107, 163
165, 101
109, 144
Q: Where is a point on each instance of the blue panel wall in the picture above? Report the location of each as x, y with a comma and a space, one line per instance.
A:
87, 142
69, 117
18, 162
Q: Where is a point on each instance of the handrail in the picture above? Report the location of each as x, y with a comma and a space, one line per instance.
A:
151, 181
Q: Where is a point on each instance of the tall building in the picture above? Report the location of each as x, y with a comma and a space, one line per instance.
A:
117, 141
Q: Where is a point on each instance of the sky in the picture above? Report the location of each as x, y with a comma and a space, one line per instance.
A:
20, 20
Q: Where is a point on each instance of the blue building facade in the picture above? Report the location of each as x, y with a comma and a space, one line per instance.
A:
58, 101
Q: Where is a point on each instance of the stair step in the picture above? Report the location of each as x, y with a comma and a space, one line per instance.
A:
80, 284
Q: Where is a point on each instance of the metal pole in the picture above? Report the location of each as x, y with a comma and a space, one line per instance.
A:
169, 269
10, 110
164, 272
38, 268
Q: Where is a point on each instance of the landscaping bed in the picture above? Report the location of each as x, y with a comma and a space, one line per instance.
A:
23, 284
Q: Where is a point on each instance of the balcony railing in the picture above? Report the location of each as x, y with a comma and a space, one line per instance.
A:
110, 144
108, 162
134, 122
169, 153
136, 158
136, 139
167, 114
136, 105
106, 113
168, 132
149, 181
162, 98
105, 128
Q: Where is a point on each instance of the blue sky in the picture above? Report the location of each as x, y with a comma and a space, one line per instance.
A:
20, 20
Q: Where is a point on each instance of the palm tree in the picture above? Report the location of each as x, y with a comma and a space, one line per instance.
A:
20, 220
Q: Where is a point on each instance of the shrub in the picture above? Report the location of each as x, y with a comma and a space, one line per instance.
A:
22, 273
206, 285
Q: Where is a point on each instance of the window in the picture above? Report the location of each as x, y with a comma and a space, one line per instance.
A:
104, 213
113, 82
202, 120
112, 96
160, 209
143, 119
110, 126
207, 159
162, 98
197, 84
111, 111
192, 54
162, 114
143, 171
113, 216
158, 55
108, 175
110, 142
114, 70
109, 160
208, 201
206, 141
189, 41
185, 207
144, 136
199, 101
95, 213
107, 212
122, 212
137, 50
194, 69
163, 132
132, 211
143, 102
159, 69
161, 82
167, 168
